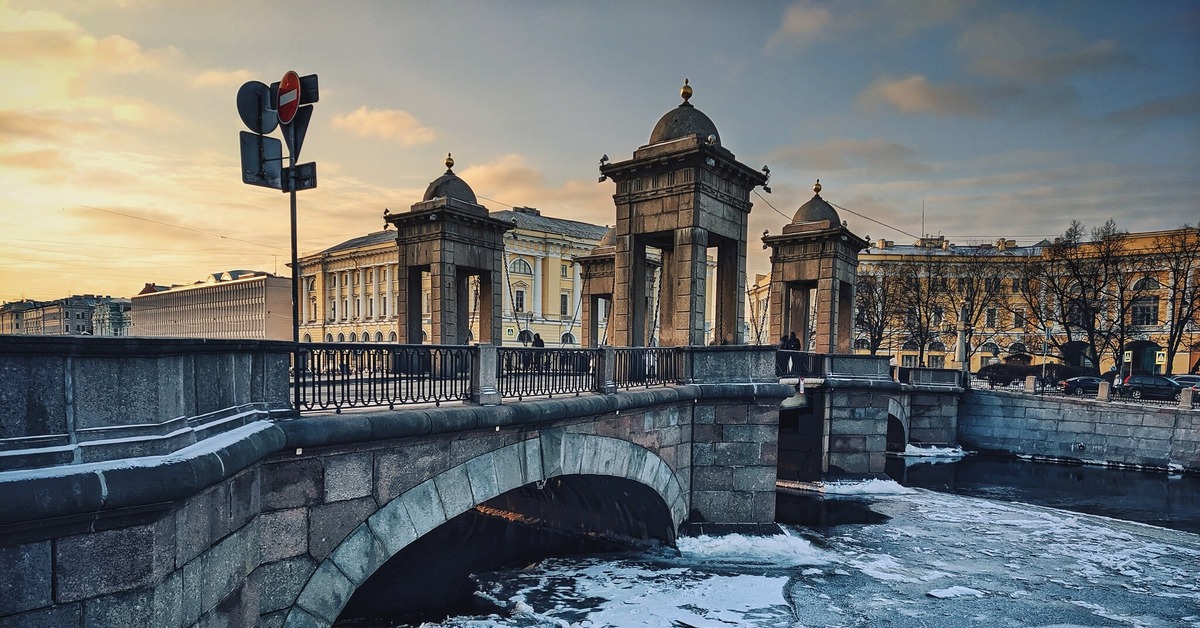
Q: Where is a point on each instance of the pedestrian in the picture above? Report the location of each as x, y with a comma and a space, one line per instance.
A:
793, 342
538, 343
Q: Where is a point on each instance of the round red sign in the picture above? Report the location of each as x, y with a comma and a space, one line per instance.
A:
289, 97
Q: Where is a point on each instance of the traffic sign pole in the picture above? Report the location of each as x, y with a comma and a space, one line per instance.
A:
291, 130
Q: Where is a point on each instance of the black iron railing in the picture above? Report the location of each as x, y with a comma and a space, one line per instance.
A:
528, 372
799, 364
645, 366
344, 375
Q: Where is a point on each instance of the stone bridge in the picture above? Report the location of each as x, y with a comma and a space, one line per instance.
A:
234, 517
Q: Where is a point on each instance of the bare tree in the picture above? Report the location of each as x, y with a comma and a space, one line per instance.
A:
1080, 286
975, 285
1178, 253
877, 306
924, 281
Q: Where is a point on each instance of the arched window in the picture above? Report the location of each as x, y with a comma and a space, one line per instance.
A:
353, 337
341, 337
862, 343
378, 336
392, 337
520, 267
307, 338
1146, 283
937, 345
568, 339
328, 337
910, 345
1017, 347
990, 348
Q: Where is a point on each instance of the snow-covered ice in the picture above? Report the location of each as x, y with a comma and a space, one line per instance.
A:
941, 560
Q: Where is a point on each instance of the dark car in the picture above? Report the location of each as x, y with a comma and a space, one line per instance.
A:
1187, 381
1080, 386
1150, 387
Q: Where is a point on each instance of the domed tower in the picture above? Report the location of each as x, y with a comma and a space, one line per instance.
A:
814, 263
450, 236
681, 193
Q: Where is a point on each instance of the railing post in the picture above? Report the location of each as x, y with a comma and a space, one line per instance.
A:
1104, 391
605, 368
1185, 399
484, 367
686, 366
1031, 384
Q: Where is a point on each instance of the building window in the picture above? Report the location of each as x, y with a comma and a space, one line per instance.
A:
371, 307
1018, 319
328, 337
566, 270
568, 339
992, 316
1146, 283
937, 361
564, 302
378, 336
518, 300
345, 307
383, 306
341, 337
862, 343
993, 284
425, 302
1145, 311
908, 361
520, 267
392, 337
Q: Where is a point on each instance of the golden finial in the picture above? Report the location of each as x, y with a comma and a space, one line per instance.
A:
449, 162
685, 91
817, 187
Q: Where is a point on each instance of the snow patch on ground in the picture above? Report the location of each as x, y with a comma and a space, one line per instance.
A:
917, 451
955, 591
866, 487
779, 550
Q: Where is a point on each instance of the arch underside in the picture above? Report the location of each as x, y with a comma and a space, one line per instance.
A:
437, 500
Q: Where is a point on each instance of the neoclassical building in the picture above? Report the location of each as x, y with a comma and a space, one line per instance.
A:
350, 291
231, 304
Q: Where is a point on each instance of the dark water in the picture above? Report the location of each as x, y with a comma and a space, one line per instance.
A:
1169, 501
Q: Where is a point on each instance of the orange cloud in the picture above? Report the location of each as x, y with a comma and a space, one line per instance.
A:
390, 124
915, 94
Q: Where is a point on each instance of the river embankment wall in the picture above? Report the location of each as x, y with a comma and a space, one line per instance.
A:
1087, 430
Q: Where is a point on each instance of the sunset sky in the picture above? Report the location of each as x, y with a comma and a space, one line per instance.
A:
119, 160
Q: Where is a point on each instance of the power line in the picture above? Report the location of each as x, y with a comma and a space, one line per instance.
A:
897, 229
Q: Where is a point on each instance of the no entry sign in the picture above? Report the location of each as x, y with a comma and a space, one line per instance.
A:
289, 97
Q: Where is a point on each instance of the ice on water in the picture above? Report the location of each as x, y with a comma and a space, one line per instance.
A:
942, 560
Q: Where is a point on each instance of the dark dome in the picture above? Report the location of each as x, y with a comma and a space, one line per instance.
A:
450, 186
817, 209
683, 121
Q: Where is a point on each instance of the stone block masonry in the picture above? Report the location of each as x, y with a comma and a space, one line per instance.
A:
1086, 430
278, 523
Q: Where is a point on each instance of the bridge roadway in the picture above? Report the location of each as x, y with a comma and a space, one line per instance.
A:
277, 522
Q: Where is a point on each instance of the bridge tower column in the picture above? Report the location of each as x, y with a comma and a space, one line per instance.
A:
680, 194
814, 263
450, 237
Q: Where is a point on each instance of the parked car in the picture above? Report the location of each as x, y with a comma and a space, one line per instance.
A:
1080, 386
1187, 381
1150, 387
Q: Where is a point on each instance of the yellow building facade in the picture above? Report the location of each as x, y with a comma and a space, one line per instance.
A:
349, 291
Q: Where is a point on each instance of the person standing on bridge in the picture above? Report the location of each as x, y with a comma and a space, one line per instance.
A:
538, 343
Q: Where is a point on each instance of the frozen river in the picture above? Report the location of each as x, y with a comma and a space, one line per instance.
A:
938, 560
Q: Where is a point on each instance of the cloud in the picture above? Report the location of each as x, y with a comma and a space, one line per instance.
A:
221, 78
876, 155
916, 95
510, 180
807, 23
1023, 47
802, 23
1183, 105
389, 124
42, 159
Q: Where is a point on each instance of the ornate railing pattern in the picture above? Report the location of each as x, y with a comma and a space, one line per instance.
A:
341, 375
529, 372
645, 366
799, 364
